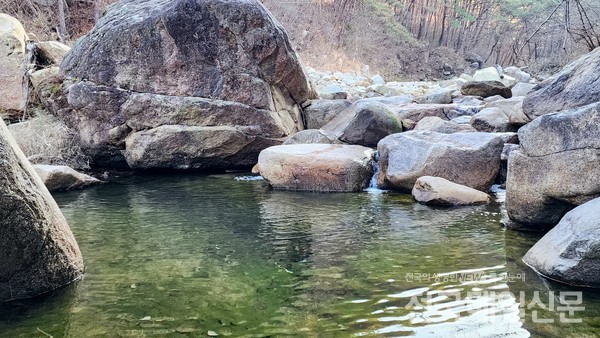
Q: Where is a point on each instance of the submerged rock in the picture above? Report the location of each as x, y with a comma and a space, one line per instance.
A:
471, 159
317, 167
61, 177
155, 71
569, 252
38, 252
556, 167
439, 191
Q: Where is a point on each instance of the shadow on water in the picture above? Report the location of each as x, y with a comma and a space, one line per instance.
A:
188, 254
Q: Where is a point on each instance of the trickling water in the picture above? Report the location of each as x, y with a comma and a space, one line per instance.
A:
174, 255
373, 182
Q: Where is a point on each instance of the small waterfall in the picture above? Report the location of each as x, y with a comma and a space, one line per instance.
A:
373, 183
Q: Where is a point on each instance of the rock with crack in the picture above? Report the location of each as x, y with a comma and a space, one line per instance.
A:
218, 78
556, 167
576, 85
364, 123
471, 159
317, 167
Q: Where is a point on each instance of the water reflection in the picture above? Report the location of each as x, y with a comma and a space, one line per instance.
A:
167, 255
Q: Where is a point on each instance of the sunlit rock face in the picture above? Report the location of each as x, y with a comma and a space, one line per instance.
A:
556, 167
317, 167
576, 85
189, 71
470, 159
38, 252
12, 54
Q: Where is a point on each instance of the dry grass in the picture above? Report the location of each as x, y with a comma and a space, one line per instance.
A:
333, 40
46, 140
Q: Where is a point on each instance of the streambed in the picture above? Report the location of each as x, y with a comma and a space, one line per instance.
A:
199, 255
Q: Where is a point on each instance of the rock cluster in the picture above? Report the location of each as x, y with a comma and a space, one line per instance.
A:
186, 85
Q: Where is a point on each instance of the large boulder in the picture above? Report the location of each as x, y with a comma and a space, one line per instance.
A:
486, 89
194, 69
12, 55
569, 252
438, 191
38, 252
556, 167
471, 159
61, 177
364, 123
317, 167
576, 85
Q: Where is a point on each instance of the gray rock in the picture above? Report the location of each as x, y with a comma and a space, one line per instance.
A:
556, 167
436, 124
60, 177
318, 113
494, 98
569, 130
317, 167
332, 92
38, 252
569, 252
390, 100
513, 108
439, 191
517, 73
522, 89
485, 89
12, 50
204, 64
576, 85
491, 120
471, 159
487, 74
465, 119
364, 123
52, 52
191, 147
439, 97
416, 112
309, 136
468, 101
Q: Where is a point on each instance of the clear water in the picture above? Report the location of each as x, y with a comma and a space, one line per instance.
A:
173, 256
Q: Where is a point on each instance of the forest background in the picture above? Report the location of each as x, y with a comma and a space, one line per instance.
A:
400, 39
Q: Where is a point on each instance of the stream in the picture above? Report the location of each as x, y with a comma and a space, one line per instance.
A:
207, 255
